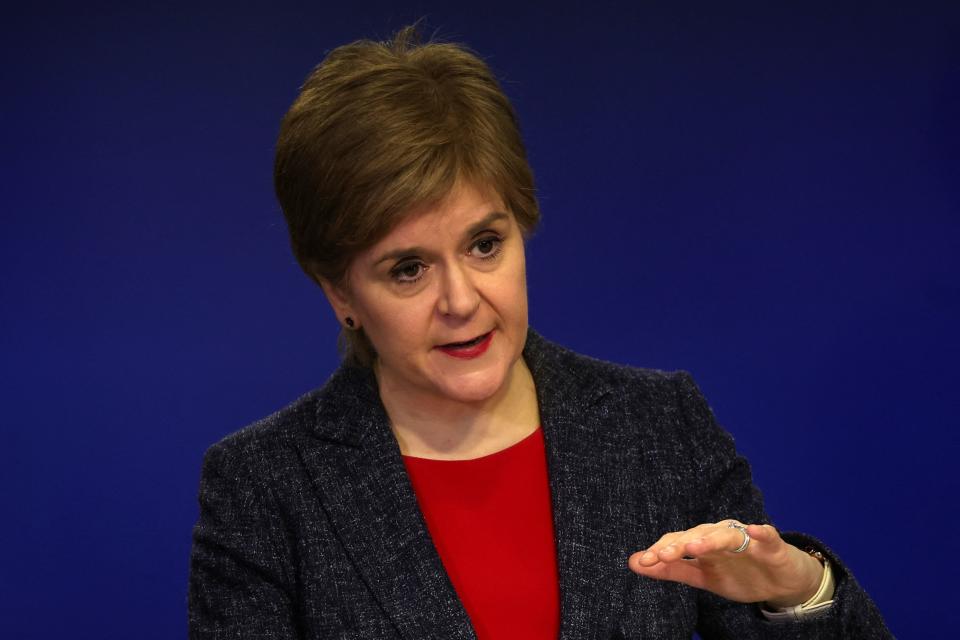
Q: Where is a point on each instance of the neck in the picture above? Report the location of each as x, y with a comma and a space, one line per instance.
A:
428, 426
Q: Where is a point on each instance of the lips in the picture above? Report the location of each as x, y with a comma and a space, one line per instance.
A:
469, 349
468, 343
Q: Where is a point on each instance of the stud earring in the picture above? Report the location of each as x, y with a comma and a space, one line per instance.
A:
349, 322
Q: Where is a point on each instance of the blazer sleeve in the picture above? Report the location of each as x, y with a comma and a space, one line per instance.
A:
239, 565
726, 490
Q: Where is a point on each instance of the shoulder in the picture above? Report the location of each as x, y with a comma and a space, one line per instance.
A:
555, 365
654, 423
324, 413
634, 404
258, 442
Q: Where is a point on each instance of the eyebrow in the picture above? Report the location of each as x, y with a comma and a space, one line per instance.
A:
472, 230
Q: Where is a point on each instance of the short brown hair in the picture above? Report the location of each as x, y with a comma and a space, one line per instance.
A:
381, 129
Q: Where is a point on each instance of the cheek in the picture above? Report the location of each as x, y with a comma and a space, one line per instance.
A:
517, 289
397, 325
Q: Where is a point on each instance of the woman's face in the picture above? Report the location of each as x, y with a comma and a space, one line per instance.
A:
443, 299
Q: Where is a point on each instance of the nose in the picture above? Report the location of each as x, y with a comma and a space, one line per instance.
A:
459, 297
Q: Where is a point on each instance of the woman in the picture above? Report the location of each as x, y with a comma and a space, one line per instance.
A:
459, 476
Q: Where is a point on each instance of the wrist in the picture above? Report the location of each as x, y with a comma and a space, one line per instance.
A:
814, 569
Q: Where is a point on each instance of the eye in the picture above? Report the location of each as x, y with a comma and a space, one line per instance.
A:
408, 272
487, 248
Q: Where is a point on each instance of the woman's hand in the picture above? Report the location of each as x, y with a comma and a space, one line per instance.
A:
767, 570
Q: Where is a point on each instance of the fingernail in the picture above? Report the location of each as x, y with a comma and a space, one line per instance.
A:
647, 556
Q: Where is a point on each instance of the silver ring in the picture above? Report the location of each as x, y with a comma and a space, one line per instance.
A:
746, 536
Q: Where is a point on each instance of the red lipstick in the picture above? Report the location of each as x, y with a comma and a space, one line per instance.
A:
468, 350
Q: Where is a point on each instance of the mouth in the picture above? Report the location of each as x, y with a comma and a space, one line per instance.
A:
469, 349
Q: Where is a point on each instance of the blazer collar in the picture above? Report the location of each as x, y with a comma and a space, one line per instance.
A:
357, 469
349, 409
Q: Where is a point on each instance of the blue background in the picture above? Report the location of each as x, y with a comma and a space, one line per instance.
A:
765, 196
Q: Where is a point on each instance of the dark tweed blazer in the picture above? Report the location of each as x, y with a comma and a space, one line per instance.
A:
309, 527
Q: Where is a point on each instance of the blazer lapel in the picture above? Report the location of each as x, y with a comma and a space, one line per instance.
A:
358, 472
586, 494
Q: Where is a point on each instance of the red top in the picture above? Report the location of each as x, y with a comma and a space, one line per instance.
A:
491, 520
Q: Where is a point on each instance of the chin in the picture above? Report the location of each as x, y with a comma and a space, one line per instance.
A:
474, 387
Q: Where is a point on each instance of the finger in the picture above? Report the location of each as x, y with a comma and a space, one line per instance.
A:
750, 538
764, 533
686, 549
643, 559
716, 541
673, 546
721, 539
664, 549
651, 555
656, 553
648, 559
685, 572
679, 537
666, 540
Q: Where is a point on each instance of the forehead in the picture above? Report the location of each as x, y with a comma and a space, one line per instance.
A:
451, 217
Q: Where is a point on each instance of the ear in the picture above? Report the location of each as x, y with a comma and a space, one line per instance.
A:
339, 301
